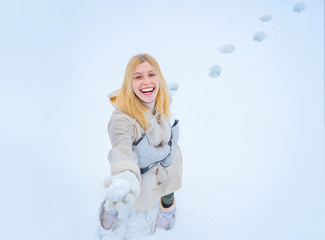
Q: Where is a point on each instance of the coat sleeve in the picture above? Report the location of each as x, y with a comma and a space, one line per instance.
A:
121, 156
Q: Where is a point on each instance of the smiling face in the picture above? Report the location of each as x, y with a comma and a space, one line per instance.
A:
145, 82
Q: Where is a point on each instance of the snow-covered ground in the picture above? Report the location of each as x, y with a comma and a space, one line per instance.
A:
248, 88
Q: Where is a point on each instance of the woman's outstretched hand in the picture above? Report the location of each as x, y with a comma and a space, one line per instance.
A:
121, 190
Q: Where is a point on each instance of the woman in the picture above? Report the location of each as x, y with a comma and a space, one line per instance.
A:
146, 163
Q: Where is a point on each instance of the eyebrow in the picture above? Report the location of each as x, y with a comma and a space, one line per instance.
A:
140, 73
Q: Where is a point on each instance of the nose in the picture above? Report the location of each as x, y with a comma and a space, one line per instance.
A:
146, 80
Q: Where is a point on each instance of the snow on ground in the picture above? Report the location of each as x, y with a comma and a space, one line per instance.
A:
252, 139
131, 224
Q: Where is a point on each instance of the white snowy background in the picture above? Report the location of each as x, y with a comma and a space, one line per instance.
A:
252, 129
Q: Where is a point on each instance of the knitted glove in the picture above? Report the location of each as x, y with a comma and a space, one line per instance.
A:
121, 190
173, 145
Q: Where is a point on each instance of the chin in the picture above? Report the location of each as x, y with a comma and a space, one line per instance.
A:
148, 100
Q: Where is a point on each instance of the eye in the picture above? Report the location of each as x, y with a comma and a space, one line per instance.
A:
152, 74
137, 77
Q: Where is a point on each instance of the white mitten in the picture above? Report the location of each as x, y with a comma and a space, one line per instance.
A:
121, 190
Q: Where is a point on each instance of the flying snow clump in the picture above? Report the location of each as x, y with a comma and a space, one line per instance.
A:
299, 7
215, 71
227, 48
172, 87
266, 18
259, 36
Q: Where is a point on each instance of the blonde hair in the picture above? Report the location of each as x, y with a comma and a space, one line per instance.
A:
128, 102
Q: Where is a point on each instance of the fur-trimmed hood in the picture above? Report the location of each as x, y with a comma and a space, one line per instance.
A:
112, 96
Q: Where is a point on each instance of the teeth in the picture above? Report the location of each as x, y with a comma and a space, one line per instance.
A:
147, 90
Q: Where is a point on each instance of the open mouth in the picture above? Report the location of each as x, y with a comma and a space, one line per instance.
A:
147, 90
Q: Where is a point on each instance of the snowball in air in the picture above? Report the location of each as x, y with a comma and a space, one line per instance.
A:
266, 18
299, 7
215, 71
172, 87
259, 36
227, 48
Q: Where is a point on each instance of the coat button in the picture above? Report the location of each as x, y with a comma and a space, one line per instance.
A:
157, 171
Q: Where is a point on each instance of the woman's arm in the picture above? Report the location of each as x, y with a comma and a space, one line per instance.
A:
121, 156
123, 186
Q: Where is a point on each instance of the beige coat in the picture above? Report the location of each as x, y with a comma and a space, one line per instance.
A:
124, 131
